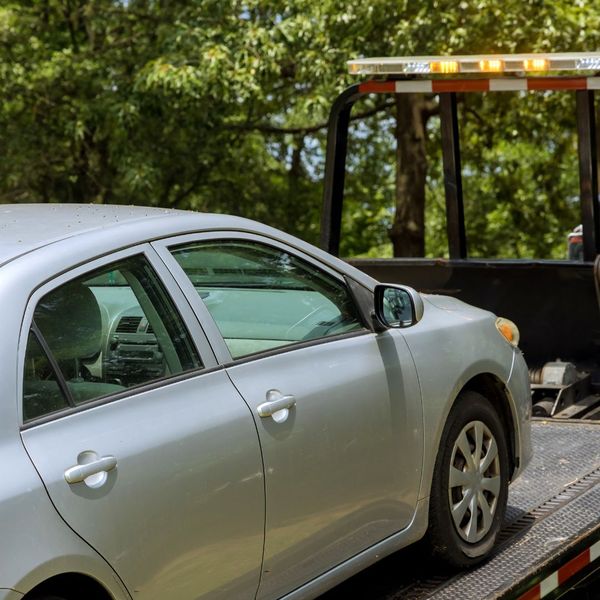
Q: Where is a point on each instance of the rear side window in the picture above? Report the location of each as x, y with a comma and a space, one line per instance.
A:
41, 389
112, 329
262, 298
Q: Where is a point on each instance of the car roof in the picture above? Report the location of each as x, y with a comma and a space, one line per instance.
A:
79, 233
27, 227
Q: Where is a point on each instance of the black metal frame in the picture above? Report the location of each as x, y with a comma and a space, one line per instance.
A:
455, 214
335, 170
588, 173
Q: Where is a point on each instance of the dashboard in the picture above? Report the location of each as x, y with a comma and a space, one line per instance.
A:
131, 353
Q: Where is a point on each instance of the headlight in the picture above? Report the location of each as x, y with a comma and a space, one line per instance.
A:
508, 330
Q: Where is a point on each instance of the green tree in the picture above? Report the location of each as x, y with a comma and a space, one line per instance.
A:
221, 105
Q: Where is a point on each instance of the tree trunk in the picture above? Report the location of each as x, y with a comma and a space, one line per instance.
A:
295, 210
408, 230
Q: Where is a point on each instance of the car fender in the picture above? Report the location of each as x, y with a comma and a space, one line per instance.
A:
451, 347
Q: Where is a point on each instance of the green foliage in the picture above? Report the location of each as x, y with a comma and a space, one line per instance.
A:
221, 105
522, 187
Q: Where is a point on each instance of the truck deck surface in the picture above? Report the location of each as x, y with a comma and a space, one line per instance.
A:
553, 512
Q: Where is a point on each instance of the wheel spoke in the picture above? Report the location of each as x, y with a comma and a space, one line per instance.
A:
460, 508
477, 455
471, 529
458, 478
491, 484
463, 444
486, 512
490, 456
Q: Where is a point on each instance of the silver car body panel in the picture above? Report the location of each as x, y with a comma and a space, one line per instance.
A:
518, 387
434, 343
187, 451
343, 469
335, 484
412, 533
189, 467
433, 359
36, 542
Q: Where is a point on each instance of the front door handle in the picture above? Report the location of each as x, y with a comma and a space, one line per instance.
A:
85, 470
277, 406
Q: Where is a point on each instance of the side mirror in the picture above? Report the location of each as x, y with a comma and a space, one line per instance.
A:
396, 306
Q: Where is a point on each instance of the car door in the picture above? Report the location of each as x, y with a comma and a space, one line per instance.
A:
146, 448
336, 406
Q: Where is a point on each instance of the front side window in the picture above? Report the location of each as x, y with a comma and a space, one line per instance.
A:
262, 298
99, 334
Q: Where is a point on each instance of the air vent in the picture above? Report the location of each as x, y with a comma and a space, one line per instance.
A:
128, 324
149, 329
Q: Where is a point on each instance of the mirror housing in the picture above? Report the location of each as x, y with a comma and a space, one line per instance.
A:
396, 306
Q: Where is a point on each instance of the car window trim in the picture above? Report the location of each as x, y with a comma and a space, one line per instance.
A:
149, 311
194, 325
60, 378
198, 336
163, 249
297, 346
235, 234
136, 390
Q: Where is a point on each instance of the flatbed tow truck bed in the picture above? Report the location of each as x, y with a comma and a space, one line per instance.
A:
551, 536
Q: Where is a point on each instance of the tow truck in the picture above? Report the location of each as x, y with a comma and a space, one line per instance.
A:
550, 545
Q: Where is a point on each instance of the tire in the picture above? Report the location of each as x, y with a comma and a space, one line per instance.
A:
467, 511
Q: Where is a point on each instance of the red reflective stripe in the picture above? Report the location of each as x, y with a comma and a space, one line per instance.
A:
574, 566
532, 594
557, 83
377, 87
479, 85
460, 85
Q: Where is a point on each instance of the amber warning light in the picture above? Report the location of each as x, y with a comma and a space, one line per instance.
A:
493, 63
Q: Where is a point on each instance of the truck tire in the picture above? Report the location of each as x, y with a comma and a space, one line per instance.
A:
470, 483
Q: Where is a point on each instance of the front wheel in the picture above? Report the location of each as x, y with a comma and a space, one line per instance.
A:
470, 483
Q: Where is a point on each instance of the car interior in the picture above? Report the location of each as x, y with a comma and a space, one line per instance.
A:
116, 328
104, 334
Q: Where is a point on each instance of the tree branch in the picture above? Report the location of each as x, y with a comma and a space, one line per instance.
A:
267, 128
473, 112
68, 14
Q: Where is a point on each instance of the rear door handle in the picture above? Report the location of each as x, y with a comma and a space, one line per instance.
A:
81, 472
277, 406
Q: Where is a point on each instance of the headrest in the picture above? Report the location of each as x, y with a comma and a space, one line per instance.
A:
70, 321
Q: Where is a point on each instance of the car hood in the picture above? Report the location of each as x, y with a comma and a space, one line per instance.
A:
450, 304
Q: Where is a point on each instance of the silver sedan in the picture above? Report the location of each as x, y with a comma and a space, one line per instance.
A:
200, 406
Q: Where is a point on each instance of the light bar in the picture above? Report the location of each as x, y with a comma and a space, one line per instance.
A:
485, 63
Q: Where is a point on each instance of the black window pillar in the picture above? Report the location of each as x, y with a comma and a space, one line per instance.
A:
455, 218
335, 169
588, 173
